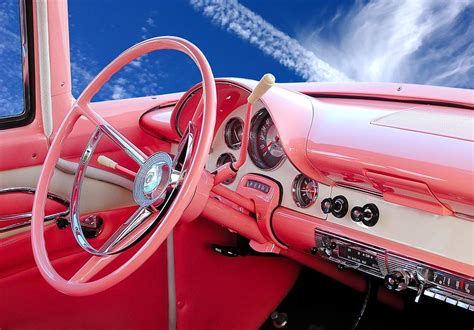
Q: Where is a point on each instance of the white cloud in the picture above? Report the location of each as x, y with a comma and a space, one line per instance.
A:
413, 41
422, 41
273, 42
139, 78
119, 92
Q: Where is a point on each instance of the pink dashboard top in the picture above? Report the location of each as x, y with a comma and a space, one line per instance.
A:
361, 135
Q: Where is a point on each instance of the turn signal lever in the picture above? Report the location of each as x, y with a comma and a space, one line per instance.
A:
107, 162
229, 170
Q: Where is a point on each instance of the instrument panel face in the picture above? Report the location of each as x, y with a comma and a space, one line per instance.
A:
265, 147
278, 168
446, 236
305, 191
233, 133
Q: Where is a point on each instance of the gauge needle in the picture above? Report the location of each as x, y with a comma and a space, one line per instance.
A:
277, 138
310, 191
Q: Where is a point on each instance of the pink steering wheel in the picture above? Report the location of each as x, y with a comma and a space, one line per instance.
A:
160, 181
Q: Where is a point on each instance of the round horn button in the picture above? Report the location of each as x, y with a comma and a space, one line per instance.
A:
152, 179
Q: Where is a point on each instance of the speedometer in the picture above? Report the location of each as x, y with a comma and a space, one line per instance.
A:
265, 147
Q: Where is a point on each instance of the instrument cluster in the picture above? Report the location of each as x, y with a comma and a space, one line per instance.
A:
266, 157
265, 149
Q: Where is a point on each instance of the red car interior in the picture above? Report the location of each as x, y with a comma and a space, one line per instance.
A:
367, 184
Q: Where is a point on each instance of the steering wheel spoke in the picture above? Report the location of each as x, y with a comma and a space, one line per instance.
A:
93, 266
181, 161
129, 232
128, 147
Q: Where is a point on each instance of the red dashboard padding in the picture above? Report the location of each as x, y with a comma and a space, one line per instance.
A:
218, 292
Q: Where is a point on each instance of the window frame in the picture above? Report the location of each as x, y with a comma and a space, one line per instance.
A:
28, 69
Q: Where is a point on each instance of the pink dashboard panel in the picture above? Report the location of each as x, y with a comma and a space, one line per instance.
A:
389, 91
347, 141
417, 169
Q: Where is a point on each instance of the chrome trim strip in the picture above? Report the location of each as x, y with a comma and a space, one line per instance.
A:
389, 262
362, 190
28, 215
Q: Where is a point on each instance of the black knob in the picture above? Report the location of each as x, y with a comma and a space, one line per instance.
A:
357, 214
327, 205
371, 215
280, 320
338, 206
395, 281
341, 206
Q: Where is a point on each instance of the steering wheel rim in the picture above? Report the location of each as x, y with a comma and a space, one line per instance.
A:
77, 285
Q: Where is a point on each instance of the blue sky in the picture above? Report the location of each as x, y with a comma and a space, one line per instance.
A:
421, 41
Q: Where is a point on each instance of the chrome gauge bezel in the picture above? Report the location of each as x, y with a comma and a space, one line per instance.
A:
219, 163
296, 191
229, 131
252, 148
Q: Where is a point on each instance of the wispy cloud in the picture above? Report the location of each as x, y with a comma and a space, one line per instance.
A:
422, 41
253, 28
139, 78
427, 42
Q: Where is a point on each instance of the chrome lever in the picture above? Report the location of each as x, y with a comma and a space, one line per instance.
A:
27, 215
419, 293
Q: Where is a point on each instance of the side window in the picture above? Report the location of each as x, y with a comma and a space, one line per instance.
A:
16, 85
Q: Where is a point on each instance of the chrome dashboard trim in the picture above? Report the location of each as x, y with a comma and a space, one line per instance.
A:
28, 215
362, 190
389, 262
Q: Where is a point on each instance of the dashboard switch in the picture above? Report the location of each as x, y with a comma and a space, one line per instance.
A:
399, 280
368, 215
341, 206
395, 281
327, 205
338, 206
371, 215
357, 214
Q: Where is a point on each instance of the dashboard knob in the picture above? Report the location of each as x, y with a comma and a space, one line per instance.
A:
327, 205
357, 214
338, 206
371, 215
341, 206
396, 281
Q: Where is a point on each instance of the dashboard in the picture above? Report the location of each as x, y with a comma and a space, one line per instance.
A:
353, 181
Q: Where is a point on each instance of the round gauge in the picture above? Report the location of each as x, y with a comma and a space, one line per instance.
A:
223, 159
305, 191
233, 133
265, 147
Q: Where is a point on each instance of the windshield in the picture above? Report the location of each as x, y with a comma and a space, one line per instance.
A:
423, 42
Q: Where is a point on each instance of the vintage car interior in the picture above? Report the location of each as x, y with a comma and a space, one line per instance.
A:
237, 204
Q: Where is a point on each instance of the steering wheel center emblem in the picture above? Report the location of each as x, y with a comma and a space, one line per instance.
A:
152, 179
